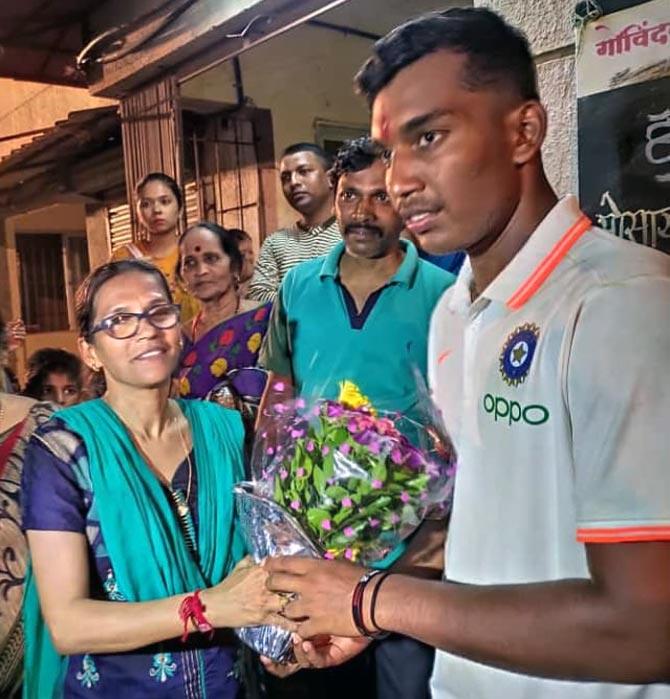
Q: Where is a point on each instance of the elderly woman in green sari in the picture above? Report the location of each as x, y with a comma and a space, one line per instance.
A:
130, 518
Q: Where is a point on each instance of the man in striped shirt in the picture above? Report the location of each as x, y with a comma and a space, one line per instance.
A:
304, 176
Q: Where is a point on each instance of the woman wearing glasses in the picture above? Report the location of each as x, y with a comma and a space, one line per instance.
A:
128, 511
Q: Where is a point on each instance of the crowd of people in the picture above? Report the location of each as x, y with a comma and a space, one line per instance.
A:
433, 250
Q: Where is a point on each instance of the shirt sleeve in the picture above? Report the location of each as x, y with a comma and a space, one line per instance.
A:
265, 280
275, 354
50, 496
618, 393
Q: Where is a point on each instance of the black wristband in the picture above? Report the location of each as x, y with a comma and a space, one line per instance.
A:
378, 631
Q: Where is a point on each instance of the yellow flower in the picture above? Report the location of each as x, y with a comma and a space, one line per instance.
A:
184, 386
218, 367
351, 396
254, 342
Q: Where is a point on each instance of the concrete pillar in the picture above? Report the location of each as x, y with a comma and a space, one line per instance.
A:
548, 26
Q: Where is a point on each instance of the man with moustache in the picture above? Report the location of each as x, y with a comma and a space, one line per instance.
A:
548, 359
303, 170
362, 313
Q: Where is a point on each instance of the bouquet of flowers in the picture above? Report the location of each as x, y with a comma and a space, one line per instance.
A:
337, 479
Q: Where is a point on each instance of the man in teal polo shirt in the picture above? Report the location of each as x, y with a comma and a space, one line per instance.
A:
361, 313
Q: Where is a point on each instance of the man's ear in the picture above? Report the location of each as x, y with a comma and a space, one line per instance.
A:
529, 128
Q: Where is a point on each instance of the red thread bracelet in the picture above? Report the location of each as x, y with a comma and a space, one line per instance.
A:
192, 609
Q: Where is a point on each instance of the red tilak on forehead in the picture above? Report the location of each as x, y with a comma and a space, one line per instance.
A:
384, 127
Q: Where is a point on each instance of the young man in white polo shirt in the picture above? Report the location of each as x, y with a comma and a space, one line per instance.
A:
549, 361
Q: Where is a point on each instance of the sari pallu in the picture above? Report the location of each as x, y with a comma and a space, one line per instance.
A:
224, 361
13, 547
142, 537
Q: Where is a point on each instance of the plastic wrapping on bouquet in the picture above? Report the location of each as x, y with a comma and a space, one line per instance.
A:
269, 530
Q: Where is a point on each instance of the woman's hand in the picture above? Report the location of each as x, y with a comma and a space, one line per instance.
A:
243, 599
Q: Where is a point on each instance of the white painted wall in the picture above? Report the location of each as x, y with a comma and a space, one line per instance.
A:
548, 25
301, 76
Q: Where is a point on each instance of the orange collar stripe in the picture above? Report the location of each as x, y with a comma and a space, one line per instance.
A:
624, 534
549, 263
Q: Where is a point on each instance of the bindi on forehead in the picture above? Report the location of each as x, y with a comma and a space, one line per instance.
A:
198, 248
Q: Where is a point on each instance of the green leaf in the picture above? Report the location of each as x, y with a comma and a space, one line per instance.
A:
379, 472
315, 517
278, 493
337, 492
319, 480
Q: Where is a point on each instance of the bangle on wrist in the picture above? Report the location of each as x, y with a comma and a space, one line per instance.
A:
380, 633
357, 599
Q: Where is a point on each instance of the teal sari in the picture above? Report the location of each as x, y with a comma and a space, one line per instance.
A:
144, 540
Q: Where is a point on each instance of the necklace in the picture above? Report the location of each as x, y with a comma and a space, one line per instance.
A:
179, 500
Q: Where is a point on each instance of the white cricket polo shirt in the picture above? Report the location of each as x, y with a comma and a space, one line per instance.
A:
555, 387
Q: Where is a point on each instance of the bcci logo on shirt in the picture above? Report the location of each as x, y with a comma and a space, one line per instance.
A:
517, 354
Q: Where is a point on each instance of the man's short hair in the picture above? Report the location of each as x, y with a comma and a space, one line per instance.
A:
325, 158
497, 54
354, 156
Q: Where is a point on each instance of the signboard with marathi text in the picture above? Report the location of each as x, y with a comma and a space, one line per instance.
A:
623, 111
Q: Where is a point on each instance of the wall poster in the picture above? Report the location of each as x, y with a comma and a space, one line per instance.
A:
623, 113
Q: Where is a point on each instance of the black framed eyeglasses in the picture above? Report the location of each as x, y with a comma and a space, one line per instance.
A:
124, 325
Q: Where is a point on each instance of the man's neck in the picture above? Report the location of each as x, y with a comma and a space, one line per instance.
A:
319, 217
494, 257
375, 272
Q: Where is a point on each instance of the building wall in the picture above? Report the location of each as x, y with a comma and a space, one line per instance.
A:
303, 75
548, 25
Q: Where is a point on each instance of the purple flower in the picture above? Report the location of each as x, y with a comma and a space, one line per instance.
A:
375, 446
397, 456
279, 386
264, 435
279, 408
377, 484
329, 556
331, 481
283, 474
349, 532
415, 458
300, 403
374, 523
310, 446
347, 502
345, 449
325, 524
334, 410
349, 554
325, 450
295, 504
395, 518
270, 451
300, 472
404, 497
296, 434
